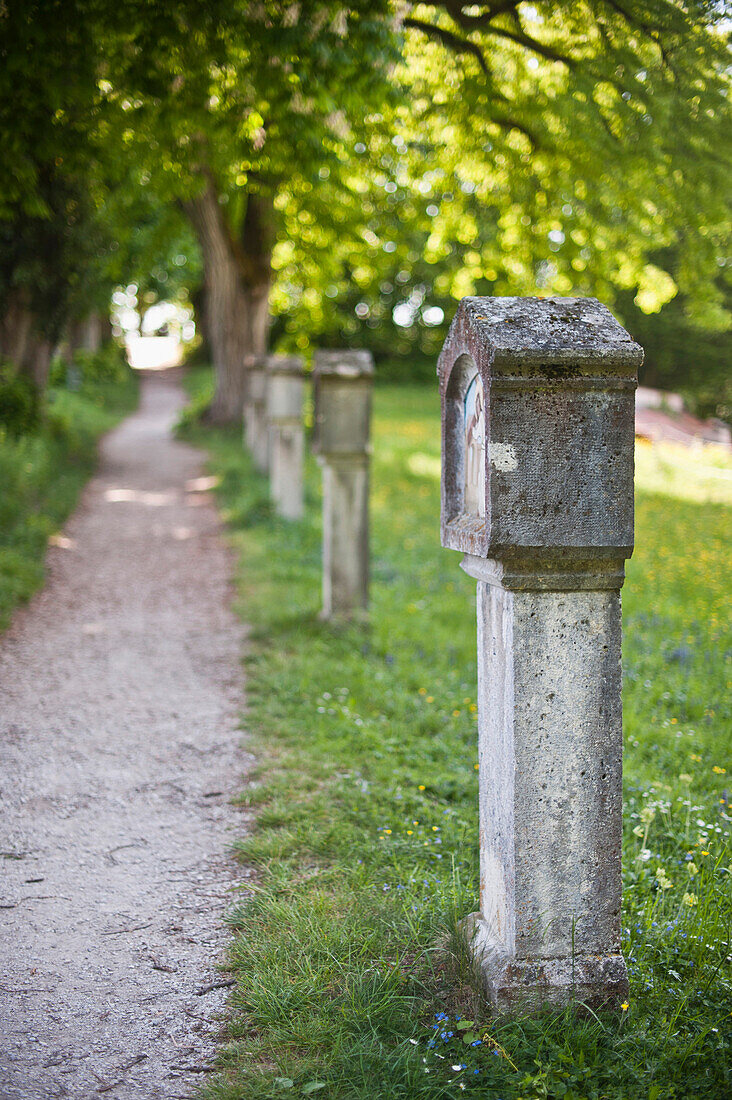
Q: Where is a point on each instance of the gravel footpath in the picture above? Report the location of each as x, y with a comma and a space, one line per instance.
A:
119, 690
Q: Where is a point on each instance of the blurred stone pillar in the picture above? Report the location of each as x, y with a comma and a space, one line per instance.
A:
285, 391
255, 414
252, 363
343, 381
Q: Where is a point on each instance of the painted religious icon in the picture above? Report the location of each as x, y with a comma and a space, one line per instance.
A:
475, 449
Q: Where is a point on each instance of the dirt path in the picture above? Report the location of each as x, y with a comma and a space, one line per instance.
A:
119, 749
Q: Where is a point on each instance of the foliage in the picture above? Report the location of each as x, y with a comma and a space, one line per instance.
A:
364, 845
555, 151
43, 470
414, 153
19, 403
66, 175
88, 368
682, 356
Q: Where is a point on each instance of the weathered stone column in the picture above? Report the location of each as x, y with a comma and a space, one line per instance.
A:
285, 391
343, 381
252, 363
255, 414
537, 491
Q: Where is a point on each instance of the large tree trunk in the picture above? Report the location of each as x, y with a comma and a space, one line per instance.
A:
21, 341
237, 275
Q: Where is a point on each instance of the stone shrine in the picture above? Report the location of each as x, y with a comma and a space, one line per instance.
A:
537, 492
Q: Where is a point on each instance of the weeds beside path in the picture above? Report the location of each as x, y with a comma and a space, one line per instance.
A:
42, 472
350, 985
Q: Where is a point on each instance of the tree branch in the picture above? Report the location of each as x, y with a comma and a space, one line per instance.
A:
529, 43
453, 41
454, 8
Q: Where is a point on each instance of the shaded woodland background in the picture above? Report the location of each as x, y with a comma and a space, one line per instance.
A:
317, 174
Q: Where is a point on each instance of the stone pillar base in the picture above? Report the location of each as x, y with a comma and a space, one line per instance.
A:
516, 987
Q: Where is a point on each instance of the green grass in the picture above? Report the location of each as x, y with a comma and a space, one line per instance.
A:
42, 473
365, 797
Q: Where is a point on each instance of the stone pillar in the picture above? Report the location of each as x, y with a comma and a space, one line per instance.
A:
251, 363
285, 391
255, 414
537, 492
343, 381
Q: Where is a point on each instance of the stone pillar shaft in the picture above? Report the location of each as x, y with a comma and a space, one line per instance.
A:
255, 416
285, 435
345, 533
286, 462
550, 760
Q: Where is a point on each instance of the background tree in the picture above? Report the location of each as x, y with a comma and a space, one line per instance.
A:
248, 115
357, 170
46, 113
534, 150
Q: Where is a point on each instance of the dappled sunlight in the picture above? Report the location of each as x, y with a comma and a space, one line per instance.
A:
139, 496
93, 628
701, 474
202, 484
62, 542
423, 465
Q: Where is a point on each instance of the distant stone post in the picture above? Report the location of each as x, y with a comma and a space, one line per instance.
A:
251, 363
255, 414
537, 492
343, 382
285, 391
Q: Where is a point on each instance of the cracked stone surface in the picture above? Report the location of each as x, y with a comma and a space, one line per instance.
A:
120, 686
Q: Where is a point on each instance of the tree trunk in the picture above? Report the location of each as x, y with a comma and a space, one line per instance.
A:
91, 332
16, 328
237, 278
21, 341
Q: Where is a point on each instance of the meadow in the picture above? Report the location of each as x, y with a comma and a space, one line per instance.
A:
351, 981
44, 466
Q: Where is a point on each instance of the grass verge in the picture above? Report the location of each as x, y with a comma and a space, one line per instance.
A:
42, 473
350, 981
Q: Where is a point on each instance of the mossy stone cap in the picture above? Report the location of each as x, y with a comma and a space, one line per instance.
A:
344, 363
343, 380
285, 364
531, 333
